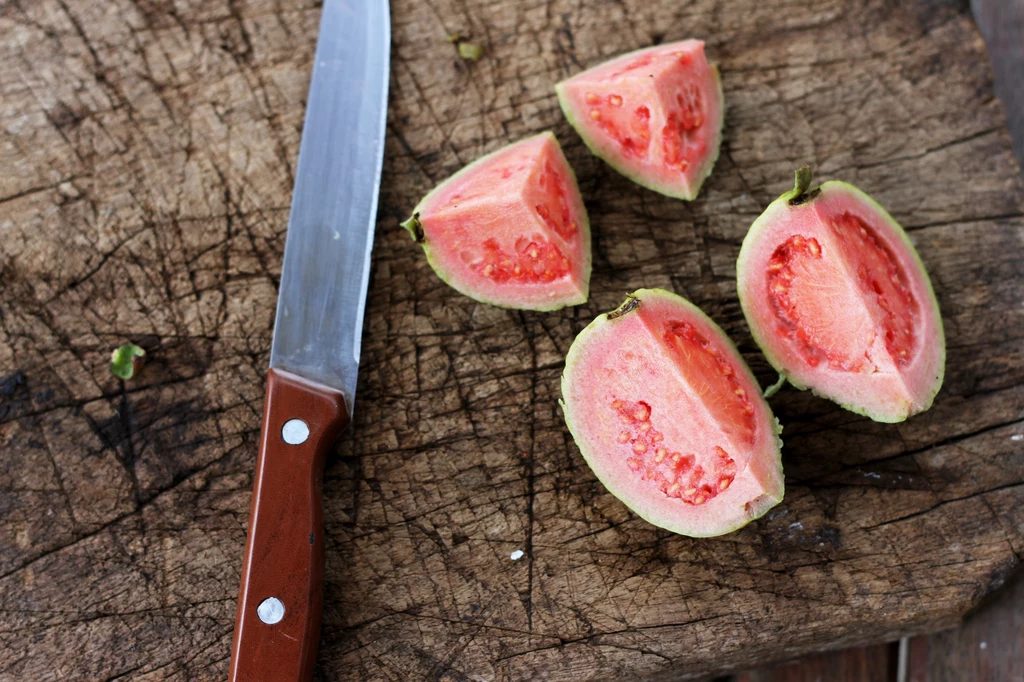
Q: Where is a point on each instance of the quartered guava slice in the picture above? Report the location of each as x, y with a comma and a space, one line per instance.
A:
839, 301
654, 115
510, 229
669, 417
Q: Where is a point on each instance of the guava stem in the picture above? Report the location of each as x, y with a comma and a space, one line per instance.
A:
803, 180
630, 304
415, 228
800, 187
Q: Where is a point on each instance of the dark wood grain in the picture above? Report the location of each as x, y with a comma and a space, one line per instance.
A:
150, 150
284, 548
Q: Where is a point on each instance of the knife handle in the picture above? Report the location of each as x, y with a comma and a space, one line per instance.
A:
284, 550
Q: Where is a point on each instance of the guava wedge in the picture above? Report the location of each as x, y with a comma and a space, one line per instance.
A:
669, 417
839, 301
654, 115
510, 229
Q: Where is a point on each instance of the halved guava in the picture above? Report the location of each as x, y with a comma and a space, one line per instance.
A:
839, 301
654, 115
510, 229
669, 417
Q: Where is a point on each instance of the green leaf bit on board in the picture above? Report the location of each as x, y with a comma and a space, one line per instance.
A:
126, 360
470, 51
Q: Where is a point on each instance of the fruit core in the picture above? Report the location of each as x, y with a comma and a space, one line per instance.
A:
532, 260
726, 399
693, 477
537, 258
795, 267
690, 477
629, 122
679, 139
553, 208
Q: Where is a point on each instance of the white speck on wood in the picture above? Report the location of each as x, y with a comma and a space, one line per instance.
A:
516, 555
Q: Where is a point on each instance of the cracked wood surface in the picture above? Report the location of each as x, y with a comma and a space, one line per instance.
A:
149, 149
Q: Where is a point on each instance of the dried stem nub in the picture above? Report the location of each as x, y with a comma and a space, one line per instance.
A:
415, 228
630, 304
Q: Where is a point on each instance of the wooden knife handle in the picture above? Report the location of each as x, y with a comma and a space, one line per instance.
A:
284, 551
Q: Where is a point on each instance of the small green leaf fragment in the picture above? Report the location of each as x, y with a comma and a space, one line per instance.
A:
470, 51
126, 361
774, 388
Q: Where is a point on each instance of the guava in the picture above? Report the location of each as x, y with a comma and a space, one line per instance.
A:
840, 303
510, 229
654, 115
669, 417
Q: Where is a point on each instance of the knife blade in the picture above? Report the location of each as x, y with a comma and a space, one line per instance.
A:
314, 359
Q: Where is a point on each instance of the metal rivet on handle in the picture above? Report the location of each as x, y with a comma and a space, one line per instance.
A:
295, 432
270, 610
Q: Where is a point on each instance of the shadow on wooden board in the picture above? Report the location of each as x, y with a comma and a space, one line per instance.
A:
988, 647
876, 663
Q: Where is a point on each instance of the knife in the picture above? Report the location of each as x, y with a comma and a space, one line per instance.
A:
314, 359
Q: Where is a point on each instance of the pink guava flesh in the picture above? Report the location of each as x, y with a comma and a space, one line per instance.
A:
654, 115
670, 419
510, 229
839, 302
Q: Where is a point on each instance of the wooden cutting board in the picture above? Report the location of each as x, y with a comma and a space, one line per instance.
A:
148, 150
